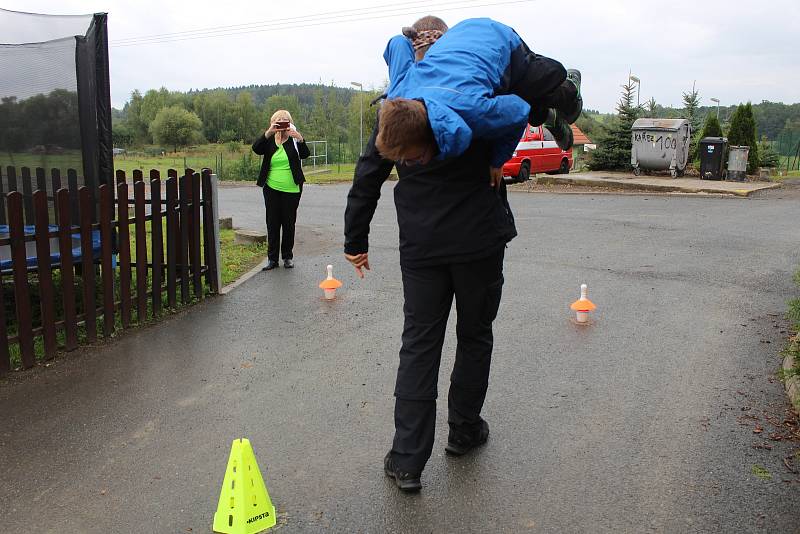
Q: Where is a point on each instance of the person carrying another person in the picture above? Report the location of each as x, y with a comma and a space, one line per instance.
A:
453, 231
477, 79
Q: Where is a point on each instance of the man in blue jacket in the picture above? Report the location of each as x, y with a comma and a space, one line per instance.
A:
478, 80
454, 227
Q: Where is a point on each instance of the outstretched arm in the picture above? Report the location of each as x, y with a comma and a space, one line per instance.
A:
371, 171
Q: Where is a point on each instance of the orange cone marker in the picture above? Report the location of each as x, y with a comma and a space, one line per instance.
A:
583, 306
330, 284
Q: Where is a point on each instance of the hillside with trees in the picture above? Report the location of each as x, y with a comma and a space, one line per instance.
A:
238, 114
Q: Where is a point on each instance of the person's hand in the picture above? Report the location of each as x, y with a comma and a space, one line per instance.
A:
295, 134
495, 176
271, 130
359, 261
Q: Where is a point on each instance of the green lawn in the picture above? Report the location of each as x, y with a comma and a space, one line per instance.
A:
64, 161
230, 161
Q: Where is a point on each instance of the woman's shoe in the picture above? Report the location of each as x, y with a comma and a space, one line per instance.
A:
289, 264
271, 264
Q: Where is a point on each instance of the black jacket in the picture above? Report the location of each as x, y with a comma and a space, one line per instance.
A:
265, 146
446, 210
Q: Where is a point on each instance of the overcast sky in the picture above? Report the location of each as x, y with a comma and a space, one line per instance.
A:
736, 51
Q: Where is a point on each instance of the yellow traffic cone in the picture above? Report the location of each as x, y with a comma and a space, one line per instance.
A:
244, 504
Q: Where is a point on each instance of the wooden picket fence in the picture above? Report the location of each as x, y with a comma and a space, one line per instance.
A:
174, 256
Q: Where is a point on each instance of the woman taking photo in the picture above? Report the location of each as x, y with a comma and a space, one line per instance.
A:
281, 179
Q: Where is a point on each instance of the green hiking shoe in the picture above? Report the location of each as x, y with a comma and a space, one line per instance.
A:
560, 129
574, 75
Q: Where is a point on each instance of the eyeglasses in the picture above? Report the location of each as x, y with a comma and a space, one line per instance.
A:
419, 159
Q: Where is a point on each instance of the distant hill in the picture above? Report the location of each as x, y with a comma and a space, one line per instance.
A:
305, 92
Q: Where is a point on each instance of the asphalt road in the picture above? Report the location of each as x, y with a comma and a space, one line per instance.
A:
646, 421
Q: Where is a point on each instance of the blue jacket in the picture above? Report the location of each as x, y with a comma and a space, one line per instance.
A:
458, 80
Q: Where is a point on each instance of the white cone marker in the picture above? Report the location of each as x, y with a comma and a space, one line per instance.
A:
330, 284
583, 306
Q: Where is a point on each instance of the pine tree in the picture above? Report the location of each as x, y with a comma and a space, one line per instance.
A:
711, 128
691, 103
743, 133
651, 106
614, 146
753, 161
767, 155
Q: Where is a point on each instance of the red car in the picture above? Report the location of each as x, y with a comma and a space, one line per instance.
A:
537, 152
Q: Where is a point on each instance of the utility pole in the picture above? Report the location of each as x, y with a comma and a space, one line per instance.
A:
361, 121
717, 101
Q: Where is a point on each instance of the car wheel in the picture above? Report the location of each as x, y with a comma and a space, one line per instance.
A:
564, 169
524, 172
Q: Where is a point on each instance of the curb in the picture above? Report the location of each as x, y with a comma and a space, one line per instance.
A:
792, 383
547, 180
236, 183
242, 279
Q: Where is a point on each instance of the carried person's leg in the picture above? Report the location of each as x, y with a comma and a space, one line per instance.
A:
274, 215
428, 296
478, 287
290, 202
534, 78
552, 92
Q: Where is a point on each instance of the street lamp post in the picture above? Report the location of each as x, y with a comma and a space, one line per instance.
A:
361, 120
717, 101
638, 87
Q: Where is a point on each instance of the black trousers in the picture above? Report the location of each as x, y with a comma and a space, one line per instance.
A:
542, 83
281, 215
429, 291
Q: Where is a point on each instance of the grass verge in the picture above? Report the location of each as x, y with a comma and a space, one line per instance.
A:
235, 261
792, 348
238, 259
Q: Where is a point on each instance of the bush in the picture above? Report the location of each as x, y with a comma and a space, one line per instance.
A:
226, 136
154, 151
243, 169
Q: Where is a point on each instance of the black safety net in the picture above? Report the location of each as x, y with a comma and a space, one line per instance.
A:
55, 105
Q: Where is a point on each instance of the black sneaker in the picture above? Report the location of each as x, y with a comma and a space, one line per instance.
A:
289, 264
459, 443
560, 129
405, 481
574, 75
271, 264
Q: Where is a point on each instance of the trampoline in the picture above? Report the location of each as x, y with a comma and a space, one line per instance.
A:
32, 260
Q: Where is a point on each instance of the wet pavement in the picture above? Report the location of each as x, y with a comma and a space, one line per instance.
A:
648, 420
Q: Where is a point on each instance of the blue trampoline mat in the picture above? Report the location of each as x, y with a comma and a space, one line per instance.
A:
32, 260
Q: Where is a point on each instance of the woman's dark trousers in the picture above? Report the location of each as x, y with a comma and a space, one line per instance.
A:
429, 291
281, 216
